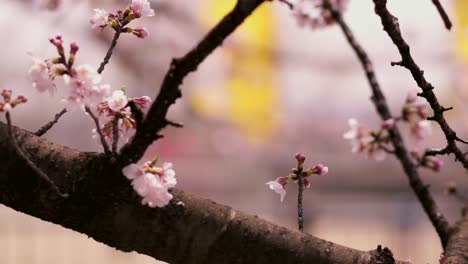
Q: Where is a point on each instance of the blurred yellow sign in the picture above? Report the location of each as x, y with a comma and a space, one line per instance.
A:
248, 96
461, 9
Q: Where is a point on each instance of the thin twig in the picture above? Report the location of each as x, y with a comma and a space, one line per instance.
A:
98, 130
29, 162
286, 2
49, 125
390, 25
170, 89
174, 124
300, 208
419, 188
436, 152
115, 133
110, 50
443, 14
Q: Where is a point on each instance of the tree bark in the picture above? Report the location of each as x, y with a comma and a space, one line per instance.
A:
102, 205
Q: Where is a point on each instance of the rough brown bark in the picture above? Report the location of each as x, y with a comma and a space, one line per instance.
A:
102, 205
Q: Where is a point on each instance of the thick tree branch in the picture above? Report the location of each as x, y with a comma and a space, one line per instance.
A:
390, 25
419, 188
170, 91
191, 229
455, 252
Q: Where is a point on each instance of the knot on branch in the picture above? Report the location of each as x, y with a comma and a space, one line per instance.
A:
382, 256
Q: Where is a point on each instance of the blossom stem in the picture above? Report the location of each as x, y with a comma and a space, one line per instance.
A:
300, 213
49, 125
98, 130
115, 133
29, 162
110, 50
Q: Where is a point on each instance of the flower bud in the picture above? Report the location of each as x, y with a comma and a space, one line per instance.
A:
320, 169
74, 48
141, 32
389, 123
300, 157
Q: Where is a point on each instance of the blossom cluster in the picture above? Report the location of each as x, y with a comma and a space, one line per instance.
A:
311, 13
151, 182
116, 106
415, 112
83, 81
118, 20
7, 103
376, 143
278, 185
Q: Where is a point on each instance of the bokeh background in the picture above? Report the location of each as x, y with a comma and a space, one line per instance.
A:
272, 89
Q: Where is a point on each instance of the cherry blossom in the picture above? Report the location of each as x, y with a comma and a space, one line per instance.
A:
141, 8
84, 87
421, 129
117, 101
374, 143
41, 77
415, 112
151, 182
278, 187
100, 19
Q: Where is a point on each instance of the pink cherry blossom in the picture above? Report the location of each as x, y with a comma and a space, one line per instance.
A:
133, 171
277, 187
421, 129
84, 87
99, 19
117, 101
41, 76
6, 107
151, 182
374, 143
141, 8
358, 135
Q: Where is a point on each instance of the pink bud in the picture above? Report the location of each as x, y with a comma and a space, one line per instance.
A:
142, 101
141, 32
22, 99
300, 157
433, 163
320, 169
282, 180
6, 93
74, 48
389, 123
57, 40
